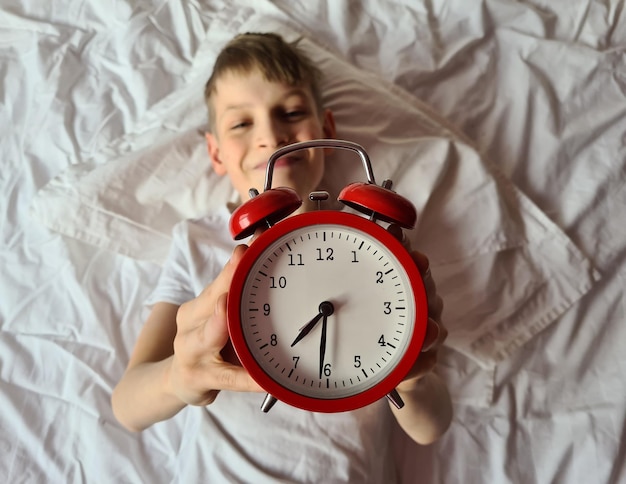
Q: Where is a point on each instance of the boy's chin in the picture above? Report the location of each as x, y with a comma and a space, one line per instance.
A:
283, 177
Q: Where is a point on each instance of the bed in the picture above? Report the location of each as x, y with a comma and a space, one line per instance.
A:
503, 121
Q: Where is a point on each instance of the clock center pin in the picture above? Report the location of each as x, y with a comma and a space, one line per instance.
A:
326, 308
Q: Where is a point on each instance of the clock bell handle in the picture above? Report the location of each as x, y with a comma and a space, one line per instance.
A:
319, 143
379, 202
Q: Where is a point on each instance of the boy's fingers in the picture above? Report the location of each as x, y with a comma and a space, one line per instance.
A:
257, 233
203, 339
436, 308
396, 231
200, 308
432, 335
233, 378
227, 376
436, 334
222, 282
423, 264
435, 302
205, 345
421, 261
214, 333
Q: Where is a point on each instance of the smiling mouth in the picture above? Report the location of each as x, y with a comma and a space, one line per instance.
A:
281, 162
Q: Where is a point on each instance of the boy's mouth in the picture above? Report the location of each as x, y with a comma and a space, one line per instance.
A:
280, 162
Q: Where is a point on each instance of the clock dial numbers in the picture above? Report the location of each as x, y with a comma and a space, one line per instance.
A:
295, 260
358, 331
328, 254
278, 282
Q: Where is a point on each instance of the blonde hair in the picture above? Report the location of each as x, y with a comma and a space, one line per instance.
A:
276, 59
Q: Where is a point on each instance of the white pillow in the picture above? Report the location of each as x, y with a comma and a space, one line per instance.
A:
505, 270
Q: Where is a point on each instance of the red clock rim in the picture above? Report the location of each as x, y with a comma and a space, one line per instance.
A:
274, 388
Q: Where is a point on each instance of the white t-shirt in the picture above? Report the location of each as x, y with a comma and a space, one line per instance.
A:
232, 438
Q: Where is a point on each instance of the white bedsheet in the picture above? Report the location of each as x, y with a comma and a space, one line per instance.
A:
539, 89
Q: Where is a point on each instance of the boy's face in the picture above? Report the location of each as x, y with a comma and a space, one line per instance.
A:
255, 117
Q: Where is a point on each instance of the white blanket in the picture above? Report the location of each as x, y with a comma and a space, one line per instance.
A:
502, 121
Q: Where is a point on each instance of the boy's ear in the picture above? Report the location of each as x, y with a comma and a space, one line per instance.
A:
329, 125
214, 154
329, 129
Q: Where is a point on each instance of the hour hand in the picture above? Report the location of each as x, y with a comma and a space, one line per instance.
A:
306, 329
325, 309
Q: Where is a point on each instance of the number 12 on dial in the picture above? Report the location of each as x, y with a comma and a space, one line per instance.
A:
327, 311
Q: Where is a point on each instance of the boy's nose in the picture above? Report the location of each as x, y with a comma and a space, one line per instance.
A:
272, 134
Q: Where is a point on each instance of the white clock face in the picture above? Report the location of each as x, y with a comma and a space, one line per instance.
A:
327, 311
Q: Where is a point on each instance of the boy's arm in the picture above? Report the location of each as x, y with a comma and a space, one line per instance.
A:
141, 396
427, 410
178, 360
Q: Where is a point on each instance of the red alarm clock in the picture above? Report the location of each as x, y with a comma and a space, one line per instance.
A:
327, 310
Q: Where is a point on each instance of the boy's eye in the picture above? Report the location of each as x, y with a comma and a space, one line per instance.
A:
240, 125
295, 114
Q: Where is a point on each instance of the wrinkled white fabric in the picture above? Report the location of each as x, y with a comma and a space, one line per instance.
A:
533, 88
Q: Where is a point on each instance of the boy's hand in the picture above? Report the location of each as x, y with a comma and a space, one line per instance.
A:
436, 333
204, 362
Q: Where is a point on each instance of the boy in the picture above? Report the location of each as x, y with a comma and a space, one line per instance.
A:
263, 94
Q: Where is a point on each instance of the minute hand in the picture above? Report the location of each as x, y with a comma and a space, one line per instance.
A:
323, 345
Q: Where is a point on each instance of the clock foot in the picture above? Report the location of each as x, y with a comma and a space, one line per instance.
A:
268, 403
394, 397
